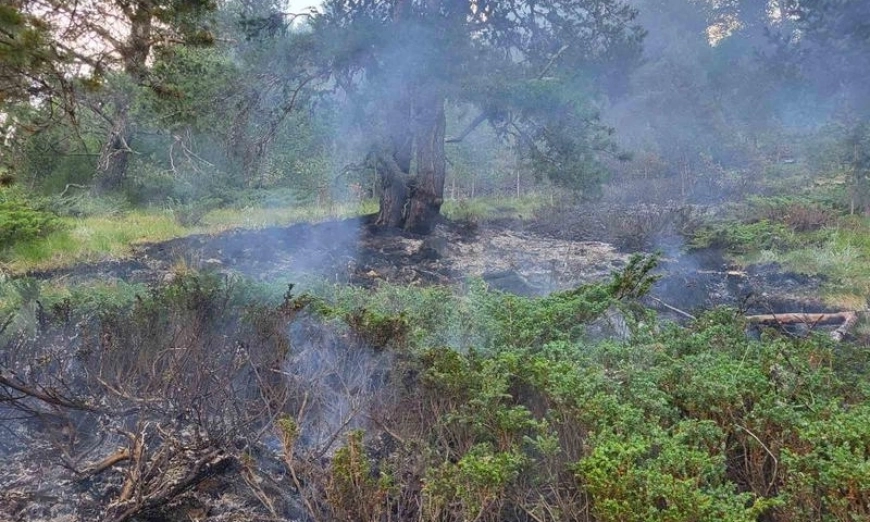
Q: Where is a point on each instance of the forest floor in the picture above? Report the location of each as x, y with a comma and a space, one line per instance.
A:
534, 256
524, 256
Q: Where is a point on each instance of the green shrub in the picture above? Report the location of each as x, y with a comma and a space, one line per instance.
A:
742, 238
678, 423
798, 214
669, 477
22, 220
829, 469
353, 491
473, 487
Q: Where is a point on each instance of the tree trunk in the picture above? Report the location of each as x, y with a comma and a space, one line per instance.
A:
427, 192
394, 191
412, 171
115, 153
394, 167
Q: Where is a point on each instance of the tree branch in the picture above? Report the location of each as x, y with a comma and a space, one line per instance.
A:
47, 396
470, 128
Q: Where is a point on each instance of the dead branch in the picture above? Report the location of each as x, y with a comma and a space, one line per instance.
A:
482, 117
134, 474
211, 463
45, 395
469, 129
72, 185
98, 467
844, 329
767, 450
673, 308
552, 61
800, 318
846, 320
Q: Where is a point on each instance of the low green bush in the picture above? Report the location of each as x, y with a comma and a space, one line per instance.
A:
742, 238
532, 420
21, 219
799, 214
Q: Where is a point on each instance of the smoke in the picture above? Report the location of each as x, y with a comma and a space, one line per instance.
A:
737, 101
335, 379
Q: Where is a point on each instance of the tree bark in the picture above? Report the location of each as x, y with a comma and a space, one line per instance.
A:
846, 320
801, 318
412, 169
115, 153
412, 174
427, 191
394, 163
394, 191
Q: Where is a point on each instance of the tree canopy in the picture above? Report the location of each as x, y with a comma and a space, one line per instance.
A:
399, 89
528, 68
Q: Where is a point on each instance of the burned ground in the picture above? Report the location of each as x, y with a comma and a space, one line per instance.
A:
531, 257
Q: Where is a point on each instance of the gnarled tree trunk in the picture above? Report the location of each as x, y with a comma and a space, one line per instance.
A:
427, 190
412, 169
115, 153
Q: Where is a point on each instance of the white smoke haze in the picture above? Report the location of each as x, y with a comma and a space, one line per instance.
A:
300, 6
714, 101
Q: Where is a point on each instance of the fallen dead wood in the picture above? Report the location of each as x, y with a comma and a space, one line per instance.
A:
119, 456
846, 320
44, 394
208, 464
673, 308
840, 333
801, 318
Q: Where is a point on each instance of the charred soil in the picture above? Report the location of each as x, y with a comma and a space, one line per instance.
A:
531, 257
183, 467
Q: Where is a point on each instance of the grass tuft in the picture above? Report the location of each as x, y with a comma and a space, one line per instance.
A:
99, 238
259, 217
92, 239
478, 209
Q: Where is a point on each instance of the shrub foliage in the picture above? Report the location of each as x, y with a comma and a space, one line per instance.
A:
529, 418
21, 219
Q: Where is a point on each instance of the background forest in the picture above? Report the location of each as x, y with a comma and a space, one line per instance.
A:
238, 243
240, 103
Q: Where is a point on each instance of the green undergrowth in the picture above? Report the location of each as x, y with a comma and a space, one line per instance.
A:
83, 239
496, 405
492, 207
679, 423
809, 235
264, 216
53, 234
91, 239
476, 316
23, 218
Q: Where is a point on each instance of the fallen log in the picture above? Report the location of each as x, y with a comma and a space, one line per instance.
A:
846, 320
801, 318
840, 333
